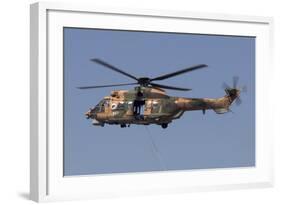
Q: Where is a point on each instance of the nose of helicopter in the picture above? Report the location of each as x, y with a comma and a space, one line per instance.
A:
90, 114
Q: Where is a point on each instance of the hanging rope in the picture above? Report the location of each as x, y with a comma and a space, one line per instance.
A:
155, 150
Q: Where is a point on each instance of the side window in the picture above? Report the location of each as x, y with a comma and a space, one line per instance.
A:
130, 104
155, 106
118, 106
148, 105
121, 106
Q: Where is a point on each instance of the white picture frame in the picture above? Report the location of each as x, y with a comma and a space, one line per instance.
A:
46, 179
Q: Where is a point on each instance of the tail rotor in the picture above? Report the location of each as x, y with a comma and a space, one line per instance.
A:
234, 92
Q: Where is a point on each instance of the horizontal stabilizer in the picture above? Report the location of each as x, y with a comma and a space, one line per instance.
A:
221, 110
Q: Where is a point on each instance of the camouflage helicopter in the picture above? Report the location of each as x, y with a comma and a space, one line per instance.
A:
148, 103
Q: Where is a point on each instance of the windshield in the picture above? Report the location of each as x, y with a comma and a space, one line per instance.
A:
100, 106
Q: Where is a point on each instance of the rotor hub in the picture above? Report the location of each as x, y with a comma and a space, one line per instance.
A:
144, 81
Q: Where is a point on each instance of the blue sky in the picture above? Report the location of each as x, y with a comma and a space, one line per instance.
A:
195, 141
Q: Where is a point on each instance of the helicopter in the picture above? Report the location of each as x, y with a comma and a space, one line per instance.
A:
147, 103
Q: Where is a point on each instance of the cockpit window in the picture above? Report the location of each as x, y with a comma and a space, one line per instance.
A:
101, 105
106, 103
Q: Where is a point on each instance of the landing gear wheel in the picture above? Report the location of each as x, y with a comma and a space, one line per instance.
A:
164, 125
123, 125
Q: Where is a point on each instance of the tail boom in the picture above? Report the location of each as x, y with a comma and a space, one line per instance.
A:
219, 105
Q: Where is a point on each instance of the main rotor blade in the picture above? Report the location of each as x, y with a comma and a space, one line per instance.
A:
113, 68
225, 86
244, 89
235, 81
169, 87
104, 86
169, 75
238, 101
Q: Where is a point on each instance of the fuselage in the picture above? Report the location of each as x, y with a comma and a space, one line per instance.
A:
153, 107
